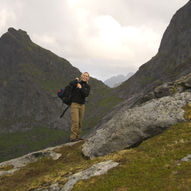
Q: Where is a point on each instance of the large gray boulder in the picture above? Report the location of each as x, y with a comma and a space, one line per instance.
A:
129, 127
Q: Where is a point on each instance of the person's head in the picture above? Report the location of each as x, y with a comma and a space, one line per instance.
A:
85, 77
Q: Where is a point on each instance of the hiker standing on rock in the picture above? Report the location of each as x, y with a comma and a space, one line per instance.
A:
81, 90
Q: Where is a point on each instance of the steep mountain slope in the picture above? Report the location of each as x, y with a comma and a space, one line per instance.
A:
172, 60
29, 79
30, 76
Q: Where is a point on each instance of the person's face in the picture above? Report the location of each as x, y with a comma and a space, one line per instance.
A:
85, 77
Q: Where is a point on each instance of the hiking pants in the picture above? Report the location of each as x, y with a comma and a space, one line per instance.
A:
77, 115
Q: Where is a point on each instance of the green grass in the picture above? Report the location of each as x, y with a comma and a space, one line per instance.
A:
98, 107
50, 87
155, 165
152, 166
105, 105
108, 102
19, 143
50, 84
46, 171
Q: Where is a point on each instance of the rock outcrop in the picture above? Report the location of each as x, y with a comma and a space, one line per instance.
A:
95, 170
20, 162
11, 166
129, 127
168, 89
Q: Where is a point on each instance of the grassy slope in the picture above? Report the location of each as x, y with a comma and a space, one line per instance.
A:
151, 166
98, 106
15, 144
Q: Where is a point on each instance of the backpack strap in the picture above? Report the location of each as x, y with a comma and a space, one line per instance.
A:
64, 111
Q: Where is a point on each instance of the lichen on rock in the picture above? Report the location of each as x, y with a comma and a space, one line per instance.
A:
130, 127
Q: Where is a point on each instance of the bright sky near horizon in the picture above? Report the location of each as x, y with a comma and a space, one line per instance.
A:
103, 37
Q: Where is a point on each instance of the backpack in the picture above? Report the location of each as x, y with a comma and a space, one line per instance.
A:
65, 94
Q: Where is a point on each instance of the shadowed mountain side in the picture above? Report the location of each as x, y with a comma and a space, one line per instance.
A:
30, 77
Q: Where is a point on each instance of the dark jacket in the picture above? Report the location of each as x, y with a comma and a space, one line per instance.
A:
79, 94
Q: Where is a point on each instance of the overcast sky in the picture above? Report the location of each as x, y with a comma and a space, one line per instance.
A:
103, 37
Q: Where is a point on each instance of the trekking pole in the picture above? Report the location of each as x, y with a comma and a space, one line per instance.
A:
64, 111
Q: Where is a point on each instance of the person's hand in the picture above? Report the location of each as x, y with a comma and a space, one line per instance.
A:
77, 79
79, 85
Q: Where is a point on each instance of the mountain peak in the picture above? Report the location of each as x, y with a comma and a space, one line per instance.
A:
177, 34
14, 36
17, 33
